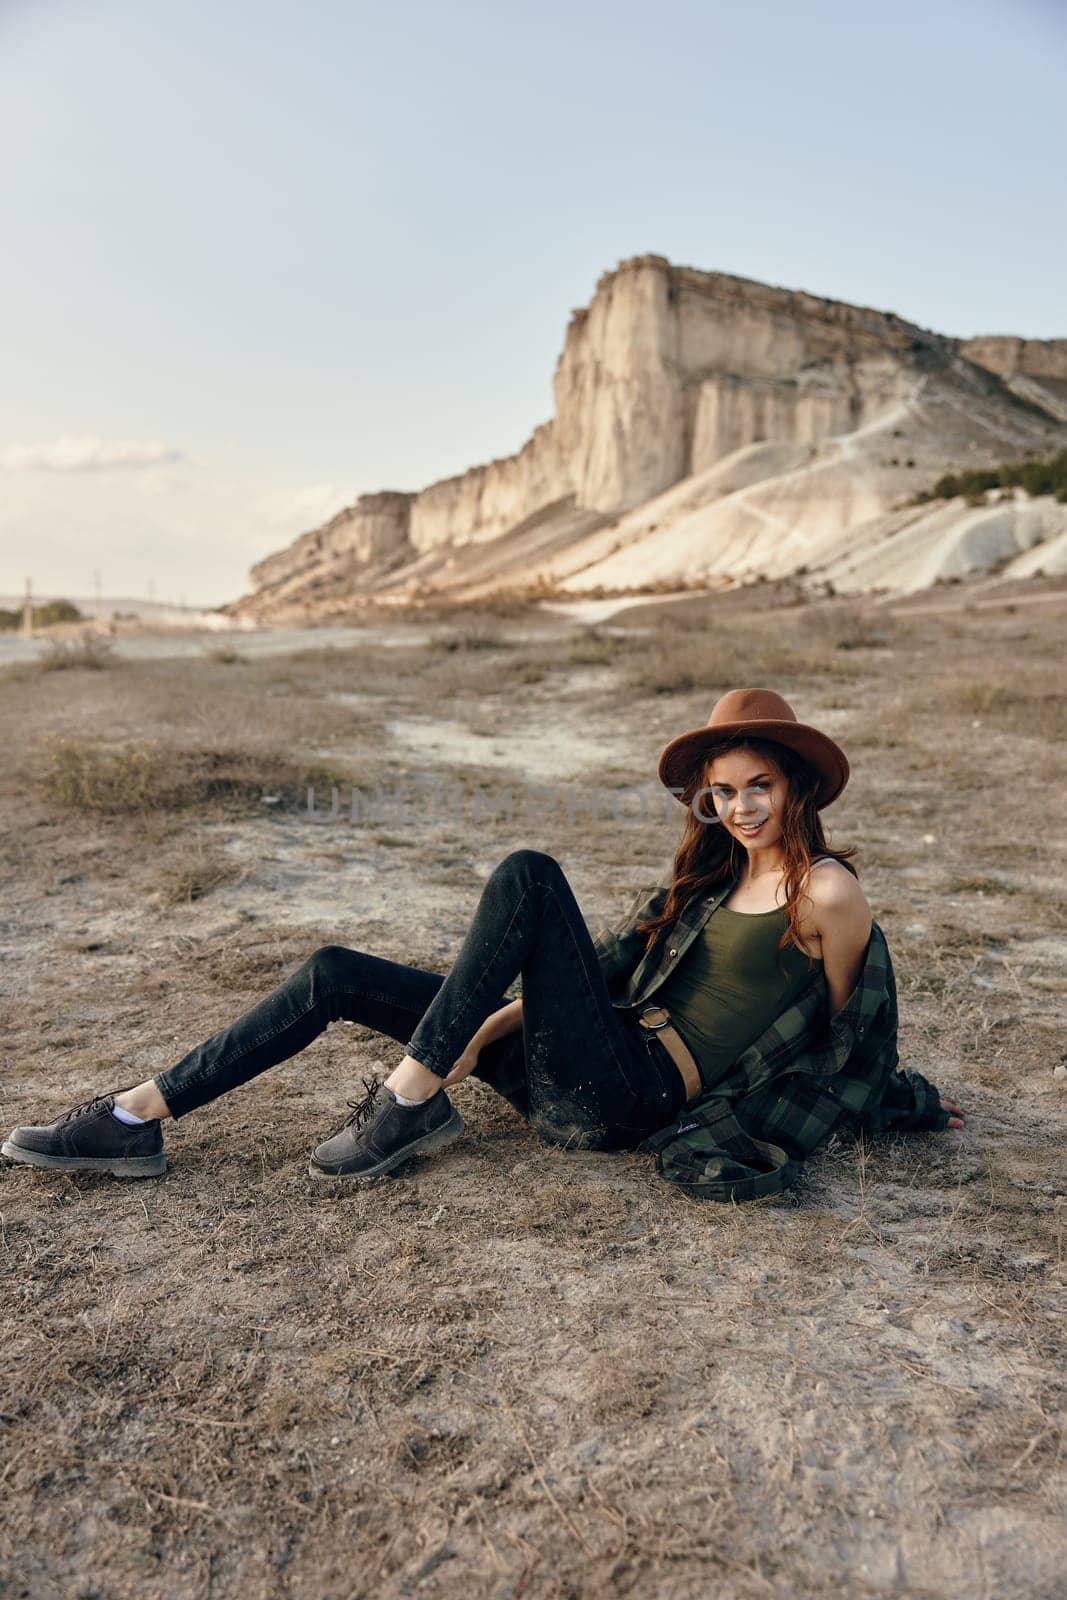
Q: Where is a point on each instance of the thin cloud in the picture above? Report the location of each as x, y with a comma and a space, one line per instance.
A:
87, 453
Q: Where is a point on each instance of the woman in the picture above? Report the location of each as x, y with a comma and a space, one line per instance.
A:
775, 933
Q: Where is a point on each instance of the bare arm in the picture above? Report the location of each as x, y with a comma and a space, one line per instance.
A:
842, 919
496, 1026
501, 1022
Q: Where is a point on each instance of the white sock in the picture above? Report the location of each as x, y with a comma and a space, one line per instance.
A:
128, 1117
401, 1101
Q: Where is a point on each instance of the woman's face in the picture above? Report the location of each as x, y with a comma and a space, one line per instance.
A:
749, 793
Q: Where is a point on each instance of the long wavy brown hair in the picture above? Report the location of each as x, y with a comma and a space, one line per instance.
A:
708, 856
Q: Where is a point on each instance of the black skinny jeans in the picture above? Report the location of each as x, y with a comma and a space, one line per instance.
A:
582, 1073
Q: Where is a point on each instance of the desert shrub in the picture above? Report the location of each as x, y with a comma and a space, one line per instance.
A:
88, 776
321, 775
195, 878
850, 627
42, 616
1034, 475
50, 611
505, 604
80, 777
520, 671
473, 636
90, 650
669, 666
592, 649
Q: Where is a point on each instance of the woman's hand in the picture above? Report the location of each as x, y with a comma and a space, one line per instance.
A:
464, 1064
955, 1121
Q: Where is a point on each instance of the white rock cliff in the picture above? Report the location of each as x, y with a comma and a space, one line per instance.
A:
709, 427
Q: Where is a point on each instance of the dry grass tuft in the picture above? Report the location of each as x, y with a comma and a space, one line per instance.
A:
472, 635
81, 775
196, 877
90, 650
593, 648
1024, 698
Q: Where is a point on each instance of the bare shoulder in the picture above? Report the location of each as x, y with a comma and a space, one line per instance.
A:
836, 894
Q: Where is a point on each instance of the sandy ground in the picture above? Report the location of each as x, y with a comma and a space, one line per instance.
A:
510, 1370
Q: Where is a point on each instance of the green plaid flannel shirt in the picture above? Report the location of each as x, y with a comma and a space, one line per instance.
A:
806, 1076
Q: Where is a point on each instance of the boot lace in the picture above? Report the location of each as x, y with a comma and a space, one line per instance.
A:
87, 1106
361, 1109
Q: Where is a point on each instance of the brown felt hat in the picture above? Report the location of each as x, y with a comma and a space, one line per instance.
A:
764, 715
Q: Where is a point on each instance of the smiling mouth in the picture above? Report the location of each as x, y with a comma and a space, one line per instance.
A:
749, 827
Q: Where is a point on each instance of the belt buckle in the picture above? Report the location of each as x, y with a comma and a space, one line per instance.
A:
654, 1026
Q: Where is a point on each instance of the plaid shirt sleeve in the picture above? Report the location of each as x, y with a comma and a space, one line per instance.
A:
618, 946
806, 1076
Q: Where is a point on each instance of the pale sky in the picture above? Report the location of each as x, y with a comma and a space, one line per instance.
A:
260, 258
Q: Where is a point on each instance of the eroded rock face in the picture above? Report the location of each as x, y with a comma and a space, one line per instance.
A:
486, 501
1033, 358
376, 526
668, 372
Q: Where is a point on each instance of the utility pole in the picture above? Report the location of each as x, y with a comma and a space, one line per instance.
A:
27, 611
96, 589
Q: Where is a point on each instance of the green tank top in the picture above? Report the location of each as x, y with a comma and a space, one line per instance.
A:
732, 982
